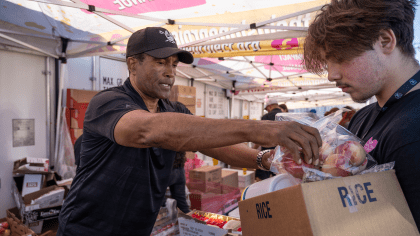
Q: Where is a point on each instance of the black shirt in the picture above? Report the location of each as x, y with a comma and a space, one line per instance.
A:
395, 137
270, 116
117, 190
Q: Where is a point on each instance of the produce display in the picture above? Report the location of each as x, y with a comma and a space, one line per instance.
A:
342, 153
4, 229
217, 220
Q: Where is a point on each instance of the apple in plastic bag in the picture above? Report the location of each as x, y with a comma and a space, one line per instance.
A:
347, 158
325, 150
352, 150
335, 165
292, 167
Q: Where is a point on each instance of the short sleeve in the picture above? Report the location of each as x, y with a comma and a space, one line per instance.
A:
181, 108
105, 110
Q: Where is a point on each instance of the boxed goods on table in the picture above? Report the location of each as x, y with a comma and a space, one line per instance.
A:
185, 95
216, 203
204, 223
229, 180
368, 204
206, 179
245, 178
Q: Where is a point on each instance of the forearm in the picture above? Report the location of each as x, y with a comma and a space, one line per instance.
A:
182, 132
239, 155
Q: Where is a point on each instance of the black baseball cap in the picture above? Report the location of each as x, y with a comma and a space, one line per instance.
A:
156, 42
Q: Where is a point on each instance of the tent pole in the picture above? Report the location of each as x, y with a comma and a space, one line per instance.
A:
48, 94
59, 109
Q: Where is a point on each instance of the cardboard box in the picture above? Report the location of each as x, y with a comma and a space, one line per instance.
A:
31, 165
77, 117
79, 99
31, 183
75, 134
190, 155
41, 205
193, 227
244, 180
191, 108
206, 179
210, 202
370, 204
207, 173
184, 94
229, 180
40, 228
16, 226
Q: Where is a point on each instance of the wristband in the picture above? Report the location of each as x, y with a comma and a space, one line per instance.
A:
259, 160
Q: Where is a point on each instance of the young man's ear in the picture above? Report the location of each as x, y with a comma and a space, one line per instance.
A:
387, 41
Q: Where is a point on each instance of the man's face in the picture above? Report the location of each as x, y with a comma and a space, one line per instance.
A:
361, 77
155, 77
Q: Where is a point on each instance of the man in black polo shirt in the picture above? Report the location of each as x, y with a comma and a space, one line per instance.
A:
131, 134
367, 48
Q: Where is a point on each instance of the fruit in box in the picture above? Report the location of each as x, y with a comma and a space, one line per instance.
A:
212, 219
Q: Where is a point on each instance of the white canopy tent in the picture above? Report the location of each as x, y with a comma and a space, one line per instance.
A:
243, 46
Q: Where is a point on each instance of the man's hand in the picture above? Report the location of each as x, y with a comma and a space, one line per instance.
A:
297, 138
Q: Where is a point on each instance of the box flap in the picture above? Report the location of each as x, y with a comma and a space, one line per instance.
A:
371, 204
32, 196
285, 209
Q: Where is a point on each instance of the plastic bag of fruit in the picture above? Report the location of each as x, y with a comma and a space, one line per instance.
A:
307, 118
313, 175
342, 153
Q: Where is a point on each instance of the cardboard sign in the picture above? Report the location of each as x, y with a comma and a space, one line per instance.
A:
370, 204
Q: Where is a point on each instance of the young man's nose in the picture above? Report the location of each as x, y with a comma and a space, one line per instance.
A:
334, 72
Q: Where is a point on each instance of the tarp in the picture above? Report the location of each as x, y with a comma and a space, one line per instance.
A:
238, 44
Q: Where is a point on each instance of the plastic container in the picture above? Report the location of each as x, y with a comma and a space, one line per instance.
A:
272, 184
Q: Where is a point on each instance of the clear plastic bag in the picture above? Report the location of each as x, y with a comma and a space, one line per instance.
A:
342, 153
307, 118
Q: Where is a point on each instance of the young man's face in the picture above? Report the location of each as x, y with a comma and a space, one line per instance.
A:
361, 77
155, 77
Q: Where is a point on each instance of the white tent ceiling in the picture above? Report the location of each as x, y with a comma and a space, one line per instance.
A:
251, 47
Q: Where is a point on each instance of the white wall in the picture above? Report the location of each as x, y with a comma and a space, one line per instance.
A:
200, 99
22, 96
237, 109
255, 110
245, 108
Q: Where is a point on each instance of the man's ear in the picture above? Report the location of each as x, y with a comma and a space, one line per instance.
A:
131, 63
387, 41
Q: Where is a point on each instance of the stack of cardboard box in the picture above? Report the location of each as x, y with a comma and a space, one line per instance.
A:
77, 103
212, 191
37, 193
185, 95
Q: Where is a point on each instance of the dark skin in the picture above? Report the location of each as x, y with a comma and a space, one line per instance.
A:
218, 138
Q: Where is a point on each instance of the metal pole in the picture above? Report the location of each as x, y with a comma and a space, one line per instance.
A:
93, 79
48, 83
59, 109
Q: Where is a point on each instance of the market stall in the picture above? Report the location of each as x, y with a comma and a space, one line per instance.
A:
245, 52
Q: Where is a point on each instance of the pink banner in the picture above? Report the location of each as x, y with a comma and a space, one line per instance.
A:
283, 63
143, 6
